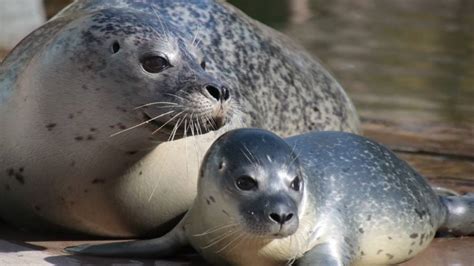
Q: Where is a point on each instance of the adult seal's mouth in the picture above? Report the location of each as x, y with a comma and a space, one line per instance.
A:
182, 124
191, 112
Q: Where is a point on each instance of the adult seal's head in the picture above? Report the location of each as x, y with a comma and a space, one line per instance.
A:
256, 182
95, 94
138, 75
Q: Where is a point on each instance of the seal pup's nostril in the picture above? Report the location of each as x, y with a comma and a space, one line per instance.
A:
281, 218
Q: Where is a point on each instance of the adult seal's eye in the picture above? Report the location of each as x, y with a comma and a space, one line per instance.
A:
203, 65
246, 183
296, 184
155, 64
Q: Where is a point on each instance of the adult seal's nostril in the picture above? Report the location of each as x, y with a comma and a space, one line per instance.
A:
214, 92
225, 93
218, 93
281, 218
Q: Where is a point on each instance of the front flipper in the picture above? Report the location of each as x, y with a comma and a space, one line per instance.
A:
164, 246
325, 254
443, 191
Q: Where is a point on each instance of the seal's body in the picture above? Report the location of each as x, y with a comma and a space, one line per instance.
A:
326, 198
89, 102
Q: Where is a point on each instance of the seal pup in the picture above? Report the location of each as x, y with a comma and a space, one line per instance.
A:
325, 198
90, 102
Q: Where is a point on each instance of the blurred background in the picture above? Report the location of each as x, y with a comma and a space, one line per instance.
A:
408, 65
412, 58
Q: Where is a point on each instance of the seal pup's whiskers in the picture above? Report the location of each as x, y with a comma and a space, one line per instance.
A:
252, 158
240, 241
163, 104
141, 124
293, 156
246, 156
219, 238
215, 229
231, 242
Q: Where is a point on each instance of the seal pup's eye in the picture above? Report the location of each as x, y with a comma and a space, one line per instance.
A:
115, 47
203, 65
246, 183
155, 64
296, 184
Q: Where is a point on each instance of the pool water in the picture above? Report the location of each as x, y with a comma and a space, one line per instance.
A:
398, 60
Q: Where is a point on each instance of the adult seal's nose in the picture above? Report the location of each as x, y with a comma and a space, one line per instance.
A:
219, 93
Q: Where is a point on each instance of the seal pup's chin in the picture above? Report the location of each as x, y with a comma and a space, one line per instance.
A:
268, 230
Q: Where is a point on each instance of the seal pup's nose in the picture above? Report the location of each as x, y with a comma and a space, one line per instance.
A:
281, 217
220, 93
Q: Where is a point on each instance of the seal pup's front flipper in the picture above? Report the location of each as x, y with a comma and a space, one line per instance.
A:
460, 215
164, 246
327, 254
444, 191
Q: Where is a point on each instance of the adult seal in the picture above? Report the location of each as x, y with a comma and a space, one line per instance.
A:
327, 198
90, 102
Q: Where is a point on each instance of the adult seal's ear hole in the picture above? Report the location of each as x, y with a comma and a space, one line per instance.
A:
203, 65
115, 47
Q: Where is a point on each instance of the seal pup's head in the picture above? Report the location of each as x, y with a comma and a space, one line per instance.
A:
141, 74
255, 178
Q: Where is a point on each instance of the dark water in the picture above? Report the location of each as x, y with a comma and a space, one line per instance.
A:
408, 60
